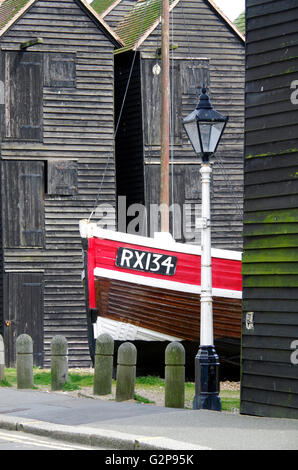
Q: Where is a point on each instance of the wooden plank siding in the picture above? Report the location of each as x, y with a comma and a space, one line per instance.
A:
209, 51
269, 385
77, 133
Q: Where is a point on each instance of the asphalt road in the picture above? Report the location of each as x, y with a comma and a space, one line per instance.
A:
15, 440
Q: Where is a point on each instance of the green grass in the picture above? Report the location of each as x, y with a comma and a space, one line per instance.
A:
141, 399
150, 381
230, 400
10, 378
42, 378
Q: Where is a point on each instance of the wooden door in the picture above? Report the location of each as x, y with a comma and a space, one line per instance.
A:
23, 204
23, 80
23, 313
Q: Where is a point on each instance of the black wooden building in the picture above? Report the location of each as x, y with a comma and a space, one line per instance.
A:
269, 385
57, 133
207, 49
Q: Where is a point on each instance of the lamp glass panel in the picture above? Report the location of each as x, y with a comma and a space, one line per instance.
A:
193, 135
215, 135
210, 135
205, 130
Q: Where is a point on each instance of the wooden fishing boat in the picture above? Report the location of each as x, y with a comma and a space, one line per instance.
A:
148, 289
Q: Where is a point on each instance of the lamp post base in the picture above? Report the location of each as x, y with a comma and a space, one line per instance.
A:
207, 380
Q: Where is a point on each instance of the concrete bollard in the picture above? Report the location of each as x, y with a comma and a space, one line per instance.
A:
175, 375
24, 353
103, 368
2, 359
59, 362
126, 371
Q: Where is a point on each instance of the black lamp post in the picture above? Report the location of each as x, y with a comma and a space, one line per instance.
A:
204, 127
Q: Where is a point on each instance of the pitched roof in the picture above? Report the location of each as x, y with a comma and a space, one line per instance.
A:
12, 10
240, 22
144, 17
136, 26
102, 7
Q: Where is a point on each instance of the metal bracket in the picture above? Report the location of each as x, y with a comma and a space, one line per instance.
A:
202, 222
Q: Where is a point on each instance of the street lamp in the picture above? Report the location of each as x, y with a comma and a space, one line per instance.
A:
204, 127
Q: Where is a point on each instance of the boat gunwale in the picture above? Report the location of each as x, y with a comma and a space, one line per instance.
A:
162, 241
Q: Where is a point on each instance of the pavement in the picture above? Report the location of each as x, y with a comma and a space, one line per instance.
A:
132, 426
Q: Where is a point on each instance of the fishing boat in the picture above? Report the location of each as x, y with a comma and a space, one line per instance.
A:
147, 290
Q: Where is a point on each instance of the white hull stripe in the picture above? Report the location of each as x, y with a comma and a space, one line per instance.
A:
161, 240
163, 284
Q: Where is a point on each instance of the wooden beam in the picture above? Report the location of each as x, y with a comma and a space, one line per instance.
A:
31, 42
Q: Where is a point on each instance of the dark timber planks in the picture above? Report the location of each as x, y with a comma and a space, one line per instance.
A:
269, 373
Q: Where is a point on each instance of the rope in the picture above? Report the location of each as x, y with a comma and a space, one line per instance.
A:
150, 139
230, 187
191, 57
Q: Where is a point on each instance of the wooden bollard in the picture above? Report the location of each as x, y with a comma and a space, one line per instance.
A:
175, 375
103, 368
126, 371
24, 352
2, 359
59, 362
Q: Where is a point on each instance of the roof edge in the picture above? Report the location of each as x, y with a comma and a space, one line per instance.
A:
227, 20
110, 8
155, 24
16, 16
147, 33
113, 35
102, 22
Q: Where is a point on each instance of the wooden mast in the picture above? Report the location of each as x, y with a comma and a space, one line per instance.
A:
165, 118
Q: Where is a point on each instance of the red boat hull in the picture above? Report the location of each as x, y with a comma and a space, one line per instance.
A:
126, 286
102, 255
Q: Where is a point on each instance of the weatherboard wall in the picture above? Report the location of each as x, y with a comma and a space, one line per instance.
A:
269, 385
75, 140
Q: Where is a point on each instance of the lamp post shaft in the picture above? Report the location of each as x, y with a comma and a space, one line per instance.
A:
206, 324
206, 361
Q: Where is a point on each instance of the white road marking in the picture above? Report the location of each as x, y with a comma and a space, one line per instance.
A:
33, 441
